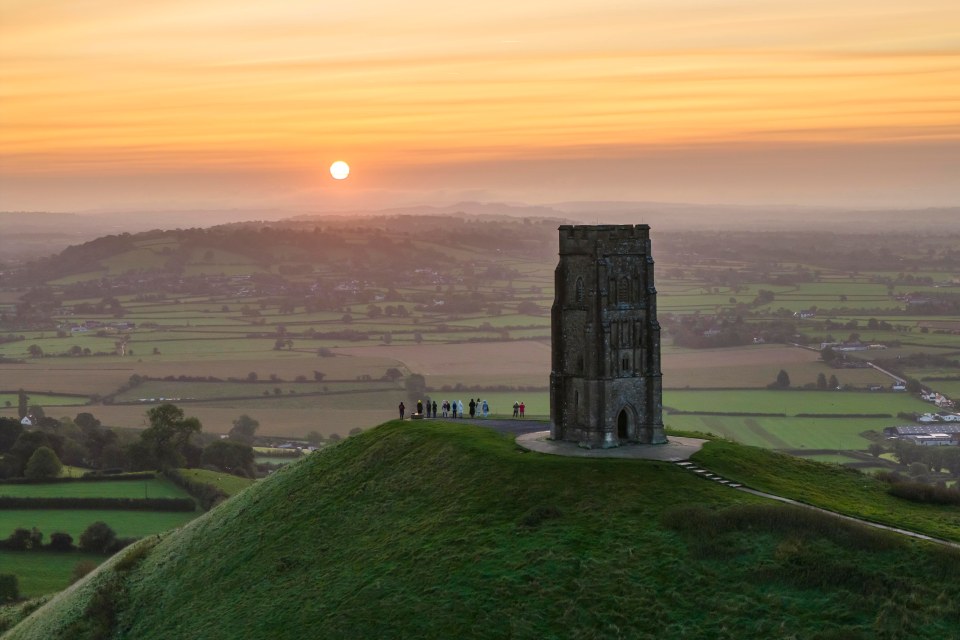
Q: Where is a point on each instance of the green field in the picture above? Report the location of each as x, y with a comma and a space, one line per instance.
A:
793, 402
785, 433
127, 524
156, 488
42, 399
43, 572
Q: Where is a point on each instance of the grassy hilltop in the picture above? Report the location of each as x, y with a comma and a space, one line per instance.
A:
444, 531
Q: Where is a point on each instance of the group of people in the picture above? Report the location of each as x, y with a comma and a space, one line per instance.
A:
454, 408
450, 408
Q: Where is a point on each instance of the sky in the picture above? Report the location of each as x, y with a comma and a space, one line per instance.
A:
128, 104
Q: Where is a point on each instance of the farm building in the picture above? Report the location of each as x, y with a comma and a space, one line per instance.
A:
926, 435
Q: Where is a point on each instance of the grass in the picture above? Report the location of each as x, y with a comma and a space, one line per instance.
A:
230, 484
156, 488
827, 486
44, 572
419, 530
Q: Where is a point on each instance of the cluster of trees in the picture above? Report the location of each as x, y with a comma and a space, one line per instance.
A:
168, 442
96, 538
920, 461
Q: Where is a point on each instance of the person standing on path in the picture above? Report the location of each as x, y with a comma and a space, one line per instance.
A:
460, 407
402, 409
420, 407
485, 408
434, 408
523, 408
473, 408
516, 409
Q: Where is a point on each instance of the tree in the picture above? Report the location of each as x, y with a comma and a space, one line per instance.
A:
828, 355
27, 444
168, 432
22, 400
86, 422
35, 351
782, 381
252, 376
393, 374
875, 449
61, 542
833, 383
314, 438
10, 430
24, 540
244, 429
97, 538
318, 375
37, 412
232, 457
529, 308
821, 381
44, 463
9, 588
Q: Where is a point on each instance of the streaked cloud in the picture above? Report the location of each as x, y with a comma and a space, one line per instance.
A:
116, 88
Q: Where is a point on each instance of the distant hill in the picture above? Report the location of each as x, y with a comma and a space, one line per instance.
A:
38, 234
341, 244
448, 531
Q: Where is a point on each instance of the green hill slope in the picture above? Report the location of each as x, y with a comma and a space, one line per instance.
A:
444, 531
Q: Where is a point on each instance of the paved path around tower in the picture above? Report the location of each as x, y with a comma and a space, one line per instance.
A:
676, 449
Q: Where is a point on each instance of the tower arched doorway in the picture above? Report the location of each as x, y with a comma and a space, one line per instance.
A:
623, 425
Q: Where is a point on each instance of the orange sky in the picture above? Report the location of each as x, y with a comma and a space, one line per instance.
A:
119, 103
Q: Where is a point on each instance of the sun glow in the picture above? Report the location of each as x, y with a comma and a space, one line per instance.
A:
339, 170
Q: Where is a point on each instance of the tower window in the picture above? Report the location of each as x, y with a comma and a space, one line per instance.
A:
623, 291
626, 364
579, 290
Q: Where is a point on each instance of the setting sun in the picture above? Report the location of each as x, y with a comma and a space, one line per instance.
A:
339, 170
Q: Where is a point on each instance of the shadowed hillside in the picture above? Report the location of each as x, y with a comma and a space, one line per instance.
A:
443, 531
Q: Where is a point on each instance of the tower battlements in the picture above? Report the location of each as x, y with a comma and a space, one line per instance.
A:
632, 238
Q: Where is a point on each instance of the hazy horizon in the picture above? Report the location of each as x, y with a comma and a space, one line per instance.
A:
173, 106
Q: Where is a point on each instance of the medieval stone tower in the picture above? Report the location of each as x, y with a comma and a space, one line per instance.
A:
605, 380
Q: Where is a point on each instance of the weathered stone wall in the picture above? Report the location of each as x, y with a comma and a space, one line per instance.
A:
605, 381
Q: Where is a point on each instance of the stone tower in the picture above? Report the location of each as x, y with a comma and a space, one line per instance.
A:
605, 380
